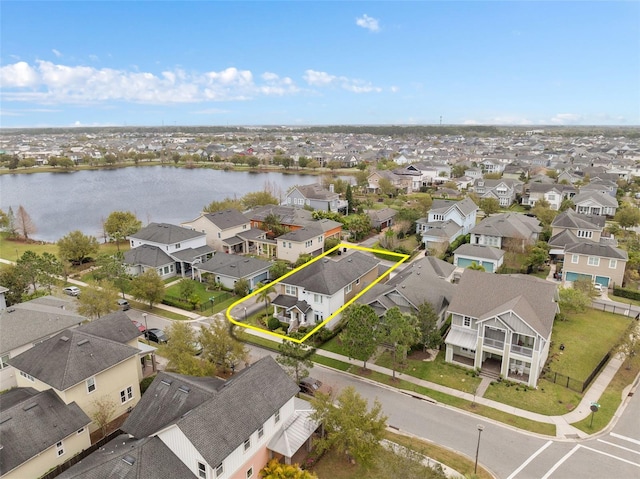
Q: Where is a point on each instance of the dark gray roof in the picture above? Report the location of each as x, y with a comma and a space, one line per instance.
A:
442, 229
563, 238
147, 255
466, 206
252, 234
304, 234
479, 251
32, 421
481, 295
115, 326
35, 320
164, 233
381, 215
570, 219
163, 403
234, 266
227, 219
288, 215
289, 302
189, 255
508, 225
591, 248
70, 357
245, 402
129, 458
595, 196
327, 276
316, 191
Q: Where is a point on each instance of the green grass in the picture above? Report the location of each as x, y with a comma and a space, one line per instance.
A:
437, 371
587, 337
334, 345
332, 363
157, 311
13, 249
204, 295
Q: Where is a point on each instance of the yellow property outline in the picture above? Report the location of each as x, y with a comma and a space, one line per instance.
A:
403, 258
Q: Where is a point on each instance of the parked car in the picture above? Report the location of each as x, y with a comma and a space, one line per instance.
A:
156, 335
71, 290
309, 386
123, 304
140, 326
197, 348
598, 287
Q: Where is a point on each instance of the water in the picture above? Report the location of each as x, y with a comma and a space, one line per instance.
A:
62, 202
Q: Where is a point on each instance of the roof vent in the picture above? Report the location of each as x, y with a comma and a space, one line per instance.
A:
83, 341
64, 338
166, 382
129, 460
29, 406
184, 389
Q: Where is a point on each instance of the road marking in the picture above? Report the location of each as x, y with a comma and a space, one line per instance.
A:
559, 463
531, 458
612, 456
625, 438
621, 447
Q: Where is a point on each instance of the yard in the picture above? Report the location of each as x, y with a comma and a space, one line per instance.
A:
222, 299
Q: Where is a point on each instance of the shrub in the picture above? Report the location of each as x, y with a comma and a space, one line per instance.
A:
145, 383
273, 323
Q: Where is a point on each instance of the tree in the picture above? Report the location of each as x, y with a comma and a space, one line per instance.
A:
629, 345
220, 347
573, 300
148, 287
50, 270
628, 217
180, 350
265, 295
294, 358
120, 224
400, 331
98, 299
489, 205
476, 266
386, 187
15, 282
186, 288
112, 268
424, 203
359, 226
77, 247
349, 197
359, 336
585, 285
313, 164
537, 255
241, 287
428, 323
24, 224
567, 204
278, 269
350, 426
28, 267
103, 411
542, 210
276, 470
226, 204
4, 220
259, 198
11, 227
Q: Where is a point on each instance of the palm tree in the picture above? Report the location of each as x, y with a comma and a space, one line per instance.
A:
265, 295
476, 266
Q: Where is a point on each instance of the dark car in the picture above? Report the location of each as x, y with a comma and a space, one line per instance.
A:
156, 335
309, 386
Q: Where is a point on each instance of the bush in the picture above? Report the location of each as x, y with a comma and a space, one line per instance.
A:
177, 303
273, 323
626, 293
145, 383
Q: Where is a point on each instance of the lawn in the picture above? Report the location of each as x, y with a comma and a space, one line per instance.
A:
436, 371
335, 345
222, 301
158, 311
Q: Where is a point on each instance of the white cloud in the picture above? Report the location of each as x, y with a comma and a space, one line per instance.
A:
56, 52
18, 75
394, 89
370, 23
565, 119
316, 78
324, 79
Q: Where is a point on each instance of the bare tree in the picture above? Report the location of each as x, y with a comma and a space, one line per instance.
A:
104, 409
24, 224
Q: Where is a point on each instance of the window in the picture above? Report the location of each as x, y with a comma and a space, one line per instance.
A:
593, 261
202, 470
28, 376
250, 473
277, 416
358, 281
319, 239
290, 290
80, 431
466, 321
177, 245
3, 361
574, 258
247, 444
317, 298
126, 394
613, 264
348, 289
260, 432
219, 470
585, 234
244, 227
60, 448
91, 385
219, 235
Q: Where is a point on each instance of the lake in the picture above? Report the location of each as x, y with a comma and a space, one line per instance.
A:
62, 202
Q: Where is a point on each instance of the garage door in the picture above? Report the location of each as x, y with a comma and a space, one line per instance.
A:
464, 262
574, 276
488, 267
604, 281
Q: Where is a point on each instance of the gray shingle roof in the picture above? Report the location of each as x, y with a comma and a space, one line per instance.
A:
227, 219
480, 294
32, 321
288, 215
316, 191
508, 225
570, 219
115, 326
151, 458
596, 249
164, 233
70, 357
595, 196
189, 255
234, 266
32, 421
479, 251
147, 255
466, 206
327, 276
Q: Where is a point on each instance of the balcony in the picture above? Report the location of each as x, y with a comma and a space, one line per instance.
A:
522, 350
493, 343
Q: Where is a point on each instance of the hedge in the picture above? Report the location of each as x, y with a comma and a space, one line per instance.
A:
626, 293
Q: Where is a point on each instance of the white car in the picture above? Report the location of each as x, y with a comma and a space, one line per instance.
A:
71, 290
598, 287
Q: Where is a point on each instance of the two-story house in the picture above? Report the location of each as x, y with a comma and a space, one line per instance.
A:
315, 196
316, 291
502, 324
402, 183
169, 249
446, 220
600, 263
595, 203
309, 239
554, 194
570, 227
504, 190
506, 230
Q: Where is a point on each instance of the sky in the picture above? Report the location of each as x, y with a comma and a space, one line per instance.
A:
228, 63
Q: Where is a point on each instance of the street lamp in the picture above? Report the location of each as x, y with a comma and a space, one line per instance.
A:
480, 429
245, 314
144, 316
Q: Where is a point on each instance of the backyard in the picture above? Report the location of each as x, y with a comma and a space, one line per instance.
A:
221, 299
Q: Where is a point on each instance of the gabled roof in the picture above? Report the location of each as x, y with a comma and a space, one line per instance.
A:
290, 302
315, 191
190, 255
596, 197
442, 229
234, 266
327, 276
164, 233
590, 248
32, 421
570, 219
115, 326
70, 357
480, 295
508, 225
147, 255
128, 458
466, 206
227, 219
381, 215
31, 321
288, 215
311, 230
479, 251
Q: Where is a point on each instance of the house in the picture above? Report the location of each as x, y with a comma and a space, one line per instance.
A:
447, 219
403, 183
307, 240
319, 289
39, 431
316, 197
489, 258
426, 280
604, 186
570, 227
220, 429
169, 249
230, 231
228, 269
595, 203
381, 219
25, 324
82, 367
504, 190
502, 323
600, 263
554, 194
491, 166
506, 230
289, 217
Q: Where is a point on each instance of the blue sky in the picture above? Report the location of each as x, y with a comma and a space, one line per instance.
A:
315, 63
